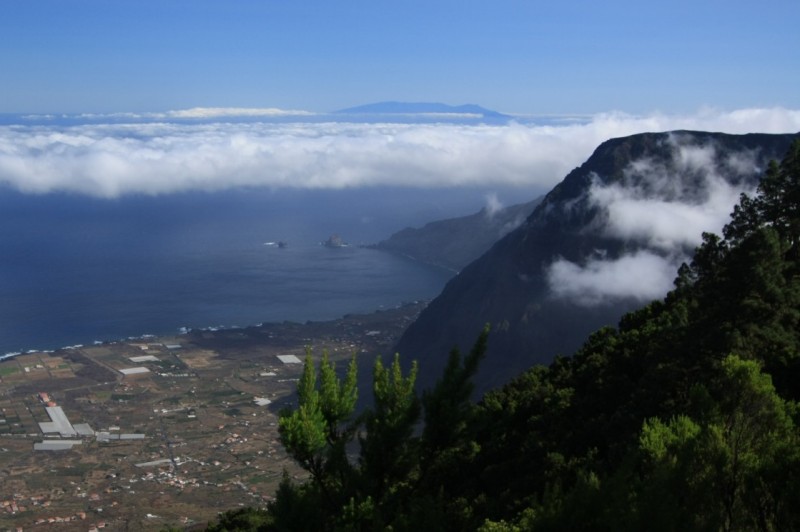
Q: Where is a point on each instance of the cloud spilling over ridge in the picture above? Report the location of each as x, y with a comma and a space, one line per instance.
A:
661, 210
667, 208
109, 160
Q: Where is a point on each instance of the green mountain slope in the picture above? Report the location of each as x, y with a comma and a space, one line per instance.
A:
683, 417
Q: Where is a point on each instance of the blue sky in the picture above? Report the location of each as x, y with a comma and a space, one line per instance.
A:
513, 56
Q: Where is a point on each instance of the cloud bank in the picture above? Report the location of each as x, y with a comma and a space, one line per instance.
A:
114, 159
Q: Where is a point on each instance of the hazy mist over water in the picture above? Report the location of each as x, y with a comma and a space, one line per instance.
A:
76, 269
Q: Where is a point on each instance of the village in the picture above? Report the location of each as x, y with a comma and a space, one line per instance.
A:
153, 432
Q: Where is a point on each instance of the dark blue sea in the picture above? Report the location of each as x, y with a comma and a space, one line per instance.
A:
74, 269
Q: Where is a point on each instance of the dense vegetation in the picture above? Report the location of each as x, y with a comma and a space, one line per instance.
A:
682, 418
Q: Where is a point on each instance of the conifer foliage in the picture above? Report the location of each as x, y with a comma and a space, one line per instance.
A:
399, 478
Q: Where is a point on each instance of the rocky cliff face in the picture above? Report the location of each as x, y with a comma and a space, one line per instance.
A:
607, 239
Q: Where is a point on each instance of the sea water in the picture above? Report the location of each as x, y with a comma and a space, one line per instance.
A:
75, 269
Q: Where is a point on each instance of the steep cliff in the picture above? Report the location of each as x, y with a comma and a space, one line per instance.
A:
604, 241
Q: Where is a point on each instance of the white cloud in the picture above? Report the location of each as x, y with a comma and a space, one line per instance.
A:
665, 224
112, 159
641, 276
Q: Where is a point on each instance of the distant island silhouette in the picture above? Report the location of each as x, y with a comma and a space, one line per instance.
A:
391, 107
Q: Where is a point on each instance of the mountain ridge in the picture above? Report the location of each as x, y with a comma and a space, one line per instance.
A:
509, 287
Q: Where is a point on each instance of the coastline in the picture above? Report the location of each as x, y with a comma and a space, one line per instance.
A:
405, 311
174, 429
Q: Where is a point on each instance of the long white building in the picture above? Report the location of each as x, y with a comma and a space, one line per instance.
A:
58, 423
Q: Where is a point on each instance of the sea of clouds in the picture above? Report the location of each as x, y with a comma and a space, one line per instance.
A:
165, 155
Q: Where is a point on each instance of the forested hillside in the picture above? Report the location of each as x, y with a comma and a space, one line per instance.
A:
684, 417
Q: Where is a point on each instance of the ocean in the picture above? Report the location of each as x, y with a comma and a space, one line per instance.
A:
75, 269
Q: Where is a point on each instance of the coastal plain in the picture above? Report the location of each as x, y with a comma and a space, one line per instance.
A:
163, 431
